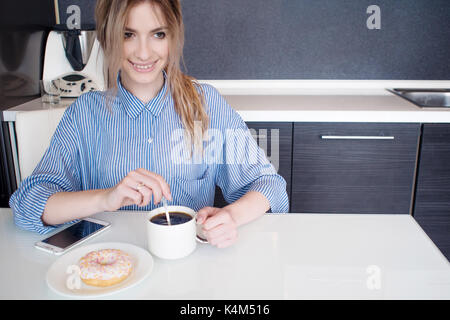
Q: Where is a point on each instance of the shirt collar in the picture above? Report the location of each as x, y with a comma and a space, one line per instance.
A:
133, 106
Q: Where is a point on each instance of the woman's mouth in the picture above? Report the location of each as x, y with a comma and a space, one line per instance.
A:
139, 67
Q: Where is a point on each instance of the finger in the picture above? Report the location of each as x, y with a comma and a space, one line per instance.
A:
147, 196
165, 188
148, 182
220, 234
218, 231
204, 213
217, 219
134, 196
132, 182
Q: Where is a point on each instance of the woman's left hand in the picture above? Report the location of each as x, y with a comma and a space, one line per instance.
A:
218, 226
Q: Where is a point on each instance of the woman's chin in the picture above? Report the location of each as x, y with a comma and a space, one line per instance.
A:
143, 78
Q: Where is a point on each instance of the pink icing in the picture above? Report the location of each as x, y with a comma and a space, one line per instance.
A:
105, 264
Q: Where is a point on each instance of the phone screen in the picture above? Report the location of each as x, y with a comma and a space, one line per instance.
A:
72, 234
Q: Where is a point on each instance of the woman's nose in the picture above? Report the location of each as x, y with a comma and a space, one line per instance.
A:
143, 51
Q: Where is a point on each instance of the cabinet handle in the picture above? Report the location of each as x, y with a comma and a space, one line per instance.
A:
357, 137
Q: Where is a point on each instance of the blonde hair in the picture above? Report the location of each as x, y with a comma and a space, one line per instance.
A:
111, 17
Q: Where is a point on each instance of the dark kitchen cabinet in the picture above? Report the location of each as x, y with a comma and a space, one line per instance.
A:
354, 167
7, 175
432, 205
267, 135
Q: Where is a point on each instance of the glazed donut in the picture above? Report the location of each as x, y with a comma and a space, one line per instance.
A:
103, 268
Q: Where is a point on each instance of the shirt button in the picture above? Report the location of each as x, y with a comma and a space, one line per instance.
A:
150, 140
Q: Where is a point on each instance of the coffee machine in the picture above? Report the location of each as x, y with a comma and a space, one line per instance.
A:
75, 58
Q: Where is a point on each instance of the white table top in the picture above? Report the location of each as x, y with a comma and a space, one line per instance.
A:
292, 256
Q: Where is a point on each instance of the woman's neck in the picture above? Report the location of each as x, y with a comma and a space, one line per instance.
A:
143, 91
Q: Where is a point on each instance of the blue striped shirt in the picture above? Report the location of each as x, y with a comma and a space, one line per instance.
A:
96, 145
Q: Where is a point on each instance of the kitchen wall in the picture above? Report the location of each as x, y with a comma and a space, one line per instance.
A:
304, 39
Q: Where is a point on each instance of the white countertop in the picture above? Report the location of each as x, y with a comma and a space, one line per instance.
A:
292, 256
372, 106
32, 105
334, 108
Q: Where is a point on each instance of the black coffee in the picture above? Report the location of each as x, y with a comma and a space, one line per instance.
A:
175, 218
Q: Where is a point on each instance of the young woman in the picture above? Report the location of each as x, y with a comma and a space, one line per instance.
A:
120, 149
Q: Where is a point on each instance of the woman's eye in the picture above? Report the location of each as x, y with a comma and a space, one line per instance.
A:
160, 35
128, 35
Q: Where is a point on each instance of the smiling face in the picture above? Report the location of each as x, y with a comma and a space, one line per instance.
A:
145, 50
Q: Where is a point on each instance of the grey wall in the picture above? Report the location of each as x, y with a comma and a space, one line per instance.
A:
312, 39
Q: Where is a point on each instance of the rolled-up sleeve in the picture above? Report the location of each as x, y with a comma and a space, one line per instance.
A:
56, 172
253, 172
245, 166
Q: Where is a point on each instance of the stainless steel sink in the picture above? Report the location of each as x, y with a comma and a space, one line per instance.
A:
425, 98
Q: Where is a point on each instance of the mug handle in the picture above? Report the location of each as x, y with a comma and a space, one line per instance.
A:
199, 237
201, 240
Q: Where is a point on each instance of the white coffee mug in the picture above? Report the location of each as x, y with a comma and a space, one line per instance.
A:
174, 241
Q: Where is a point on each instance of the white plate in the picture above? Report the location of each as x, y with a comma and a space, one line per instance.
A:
58, 278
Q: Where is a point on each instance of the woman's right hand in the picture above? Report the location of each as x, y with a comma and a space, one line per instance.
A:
137, 188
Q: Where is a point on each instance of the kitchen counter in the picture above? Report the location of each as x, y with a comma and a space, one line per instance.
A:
334, 108
310, 108
291, 256
9, 115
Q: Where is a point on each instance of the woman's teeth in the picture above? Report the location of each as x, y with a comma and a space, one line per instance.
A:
143, 67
